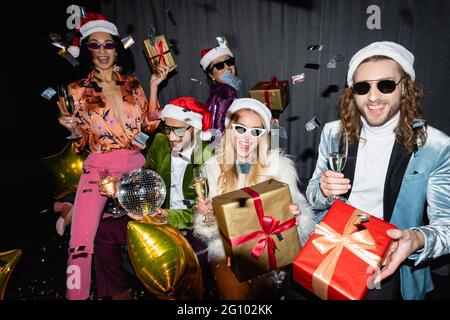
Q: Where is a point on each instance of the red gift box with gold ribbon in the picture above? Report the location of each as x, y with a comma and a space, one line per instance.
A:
342, 254
274, 94
257, 228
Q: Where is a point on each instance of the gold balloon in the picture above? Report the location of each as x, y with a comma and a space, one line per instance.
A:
164, 260
8, 261
66, 169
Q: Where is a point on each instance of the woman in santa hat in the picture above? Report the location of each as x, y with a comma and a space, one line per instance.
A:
216, 63
243, 160
111, 111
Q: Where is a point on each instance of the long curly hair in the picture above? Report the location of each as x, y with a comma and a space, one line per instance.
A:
410, 108
228, 178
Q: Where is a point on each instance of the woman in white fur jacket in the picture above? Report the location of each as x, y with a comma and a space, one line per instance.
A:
245, 160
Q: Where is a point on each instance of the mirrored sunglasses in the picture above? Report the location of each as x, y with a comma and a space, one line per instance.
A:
178, 131
241, 130
384, 86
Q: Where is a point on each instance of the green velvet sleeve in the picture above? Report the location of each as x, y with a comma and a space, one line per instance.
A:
181, 218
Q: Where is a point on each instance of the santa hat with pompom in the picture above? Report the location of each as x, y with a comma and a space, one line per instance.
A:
92, 22
191, 111
210, 54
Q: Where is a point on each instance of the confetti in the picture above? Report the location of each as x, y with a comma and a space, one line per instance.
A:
82, 12
196, 80
312, 66
334, 60
231, 80
151, 35
329, 90
315, 47
338, 57
141, 140
48, 93
66, 55
417, 123
312, 124
222, 42
331, 64
298, 78
127, 42
173, 45
170, 15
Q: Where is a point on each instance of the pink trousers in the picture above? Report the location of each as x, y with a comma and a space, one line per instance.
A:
87, 212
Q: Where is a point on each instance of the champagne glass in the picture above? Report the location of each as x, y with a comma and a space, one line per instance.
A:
66, 108
202, 191
337, 151
108, 187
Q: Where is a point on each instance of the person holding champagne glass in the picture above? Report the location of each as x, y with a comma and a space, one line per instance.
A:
397, 167
337, 151
111, 112
245, 159
176, 154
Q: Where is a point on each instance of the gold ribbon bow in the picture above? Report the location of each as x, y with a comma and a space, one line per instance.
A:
333, 243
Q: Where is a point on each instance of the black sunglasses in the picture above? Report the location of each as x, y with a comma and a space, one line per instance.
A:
384, 86
97, 45
178, 131
220, 65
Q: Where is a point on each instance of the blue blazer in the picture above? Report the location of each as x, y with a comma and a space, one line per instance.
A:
416, 183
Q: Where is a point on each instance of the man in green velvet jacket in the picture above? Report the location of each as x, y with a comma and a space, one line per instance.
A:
170, 164
174, 154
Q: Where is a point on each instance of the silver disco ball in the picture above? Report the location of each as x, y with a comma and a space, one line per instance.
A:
141, 192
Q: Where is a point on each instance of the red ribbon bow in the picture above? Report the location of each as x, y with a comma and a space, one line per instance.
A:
270, 226
161, 53
268, 85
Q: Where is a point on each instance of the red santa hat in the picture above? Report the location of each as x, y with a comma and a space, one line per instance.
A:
191, 111
92, 22
210, 54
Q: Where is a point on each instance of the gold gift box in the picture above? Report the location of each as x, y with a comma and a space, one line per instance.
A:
236, 216
159, 52
274, 94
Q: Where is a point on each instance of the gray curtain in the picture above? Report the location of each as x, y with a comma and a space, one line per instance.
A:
270, 37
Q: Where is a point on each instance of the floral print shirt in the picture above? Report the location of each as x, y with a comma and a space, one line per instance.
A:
101, 129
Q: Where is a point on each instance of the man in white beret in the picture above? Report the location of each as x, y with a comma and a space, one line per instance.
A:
398, 168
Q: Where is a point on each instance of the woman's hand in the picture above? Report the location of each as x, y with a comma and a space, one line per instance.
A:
203, 205
161, 214
159, 76
293, 208
70, 122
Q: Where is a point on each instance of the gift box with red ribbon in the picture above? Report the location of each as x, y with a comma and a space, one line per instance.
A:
343, 253
257, 228
159, 53
274, 94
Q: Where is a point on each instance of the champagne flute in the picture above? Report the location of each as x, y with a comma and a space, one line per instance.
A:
108, 187
202, 191
66, 108
337, 151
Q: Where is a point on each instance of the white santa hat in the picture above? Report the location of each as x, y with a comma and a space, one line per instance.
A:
252, 104
210, 54
388, 49
191, 111
92, 22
